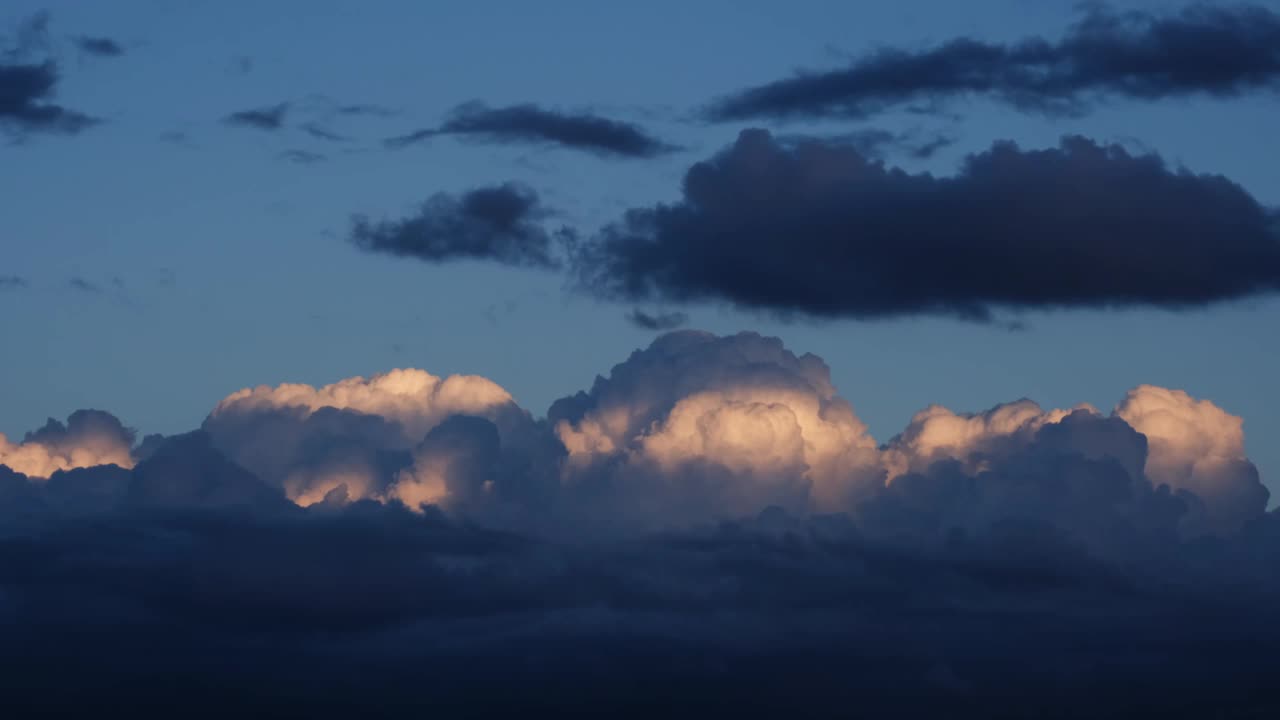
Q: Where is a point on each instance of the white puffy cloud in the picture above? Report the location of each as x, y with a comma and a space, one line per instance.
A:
937, 433
358, 438
698, 427
89, 438
415, 399
739, 421
1197, 446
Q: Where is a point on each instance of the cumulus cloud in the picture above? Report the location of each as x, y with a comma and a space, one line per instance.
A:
696, 428
502, 224
696, 422
351, 436
533, 124
712, 502
816, 228
88, 438
1199, 50
1199, 447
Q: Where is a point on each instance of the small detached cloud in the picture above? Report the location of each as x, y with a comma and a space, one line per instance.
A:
302, 157
98, 46
12, 282
656, 321
320, 132
502, 224
1203, 49
269, 118
531, 124
85, 286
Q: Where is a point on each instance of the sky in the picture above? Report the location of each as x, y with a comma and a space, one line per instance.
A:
960, 205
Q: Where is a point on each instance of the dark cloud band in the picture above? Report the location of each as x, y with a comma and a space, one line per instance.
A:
1216, 51
816, 228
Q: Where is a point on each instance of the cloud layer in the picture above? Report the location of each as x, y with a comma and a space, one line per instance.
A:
711, 501
814, 227
1200, 50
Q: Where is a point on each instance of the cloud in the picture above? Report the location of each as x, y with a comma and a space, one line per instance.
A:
268, 118
11, 282
815, 228
532, 124
1200, 50
878, 143
352, 436
26, 92
501, 223
29, 80
86, 286
696, 422
1198, 447
709, 522
99, 46
656, 321
302, 157
320, 132
88, 438
698, 428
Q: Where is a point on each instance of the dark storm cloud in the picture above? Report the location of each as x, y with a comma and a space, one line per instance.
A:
99, 46
502, 223
1200, 50
264, 118
532, 124
815, 228
656, 321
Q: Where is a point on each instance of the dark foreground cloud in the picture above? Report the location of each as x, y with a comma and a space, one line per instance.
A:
715, 533
268, 118
99, 46
1201, 50
656, 321
503, 224
532, 124
814, 227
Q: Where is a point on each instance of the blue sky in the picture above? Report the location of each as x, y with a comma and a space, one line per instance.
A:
222, 266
